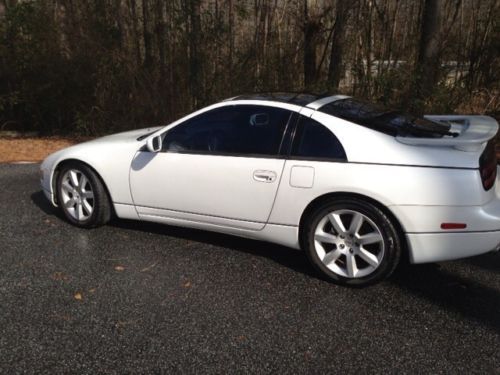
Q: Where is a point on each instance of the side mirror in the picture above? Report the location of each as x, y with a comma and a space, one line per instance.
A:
154, 144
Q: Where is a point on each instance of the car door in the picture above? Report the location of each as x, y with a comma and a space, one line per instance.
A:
221, 167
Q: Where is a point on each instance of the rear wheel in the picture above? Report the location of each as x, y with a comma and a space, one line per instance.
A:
352, 242
82, 196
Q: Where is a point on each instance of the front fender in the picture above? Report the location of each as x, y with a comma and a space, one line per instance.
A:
110, 161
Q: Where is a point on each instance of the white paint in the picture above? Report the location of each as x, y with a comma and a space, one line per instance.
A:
220, 193
302, 177
216, 186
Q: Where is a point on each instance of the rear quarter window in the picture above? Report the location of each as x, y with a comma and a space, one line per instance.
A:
315, 141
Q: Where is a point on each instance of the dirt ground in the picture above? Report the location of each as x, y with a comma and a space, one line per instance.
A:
30, 149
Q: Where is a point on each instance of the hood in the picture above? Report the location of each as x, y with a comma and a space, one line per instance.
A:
128, 136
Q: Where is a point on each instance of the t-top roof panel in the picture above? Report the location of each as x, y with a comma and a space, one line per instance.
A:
301, 99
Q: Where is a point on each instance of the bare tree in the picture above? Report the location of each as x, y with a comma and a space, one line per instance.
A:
428, 58
311, 30
97, 65
336, 67
195, 73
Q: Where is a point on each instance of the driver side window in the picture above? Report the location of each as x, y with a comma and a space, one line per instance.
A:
230, 130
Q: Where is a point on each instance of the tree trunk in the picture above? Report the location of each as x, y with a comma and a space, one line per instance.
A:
161, 37
311, 29
336, 67
148, 53
135, 31
194, 52
231, 43
428, 59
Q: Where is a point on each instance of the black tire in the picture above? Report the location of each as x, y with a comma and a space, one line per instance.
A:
101, 212
392, 243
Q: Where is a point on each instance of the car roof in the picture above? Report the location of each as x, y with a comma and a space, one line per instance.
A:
303, 99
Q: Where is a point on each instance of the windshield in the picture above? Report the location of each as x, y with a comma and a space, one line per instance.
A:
387, 121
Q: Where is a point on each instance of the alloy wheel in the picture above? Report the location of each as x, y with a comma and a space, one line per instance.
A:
349, 243
77, 195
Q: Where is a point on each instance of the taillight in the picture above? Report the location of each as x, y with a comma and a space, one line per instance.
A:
488, 165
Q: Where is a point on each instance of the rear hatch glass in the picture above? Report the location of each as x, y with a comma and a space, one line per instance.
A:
384, 120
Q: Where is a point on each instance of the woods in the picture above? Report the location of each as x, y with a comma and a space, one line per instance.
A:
96, 66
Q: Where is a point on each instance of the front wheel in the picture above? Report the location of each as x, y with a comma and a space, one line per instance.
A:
82, 196
352, 242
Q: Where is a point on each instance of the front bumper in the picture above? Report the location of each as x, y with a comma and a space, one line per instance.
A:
45, 183
436, 247
49, 196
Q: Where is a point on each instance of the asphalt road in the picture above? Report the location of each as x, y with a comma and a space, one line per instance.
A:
139, 297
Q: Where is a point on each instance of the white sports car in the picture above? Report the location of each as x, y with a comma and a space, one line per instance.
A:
355, 186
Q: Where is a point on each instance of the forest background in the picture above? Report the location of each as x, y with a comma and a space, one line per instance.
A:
91, 67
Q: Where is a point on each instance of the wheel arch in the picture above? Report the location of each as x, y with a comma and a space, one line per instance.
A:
318, 201
62, 163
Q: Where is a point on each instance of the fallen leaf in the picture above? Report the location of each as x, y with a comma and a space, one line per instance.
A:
187, 285
78, 296
119, 268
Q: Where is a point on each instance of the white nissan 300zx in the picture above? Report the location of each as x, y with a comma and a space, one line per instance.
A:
355, 186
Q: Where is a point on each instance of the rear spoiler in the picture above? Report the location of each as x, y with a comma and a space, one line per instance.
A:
473, 132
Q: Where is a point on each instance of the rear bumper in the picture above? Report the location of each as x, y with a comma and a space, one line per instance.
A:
427, 242
436, 247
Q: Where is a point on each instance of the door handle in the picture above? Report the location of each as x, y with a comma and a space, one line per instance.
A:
264, 176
